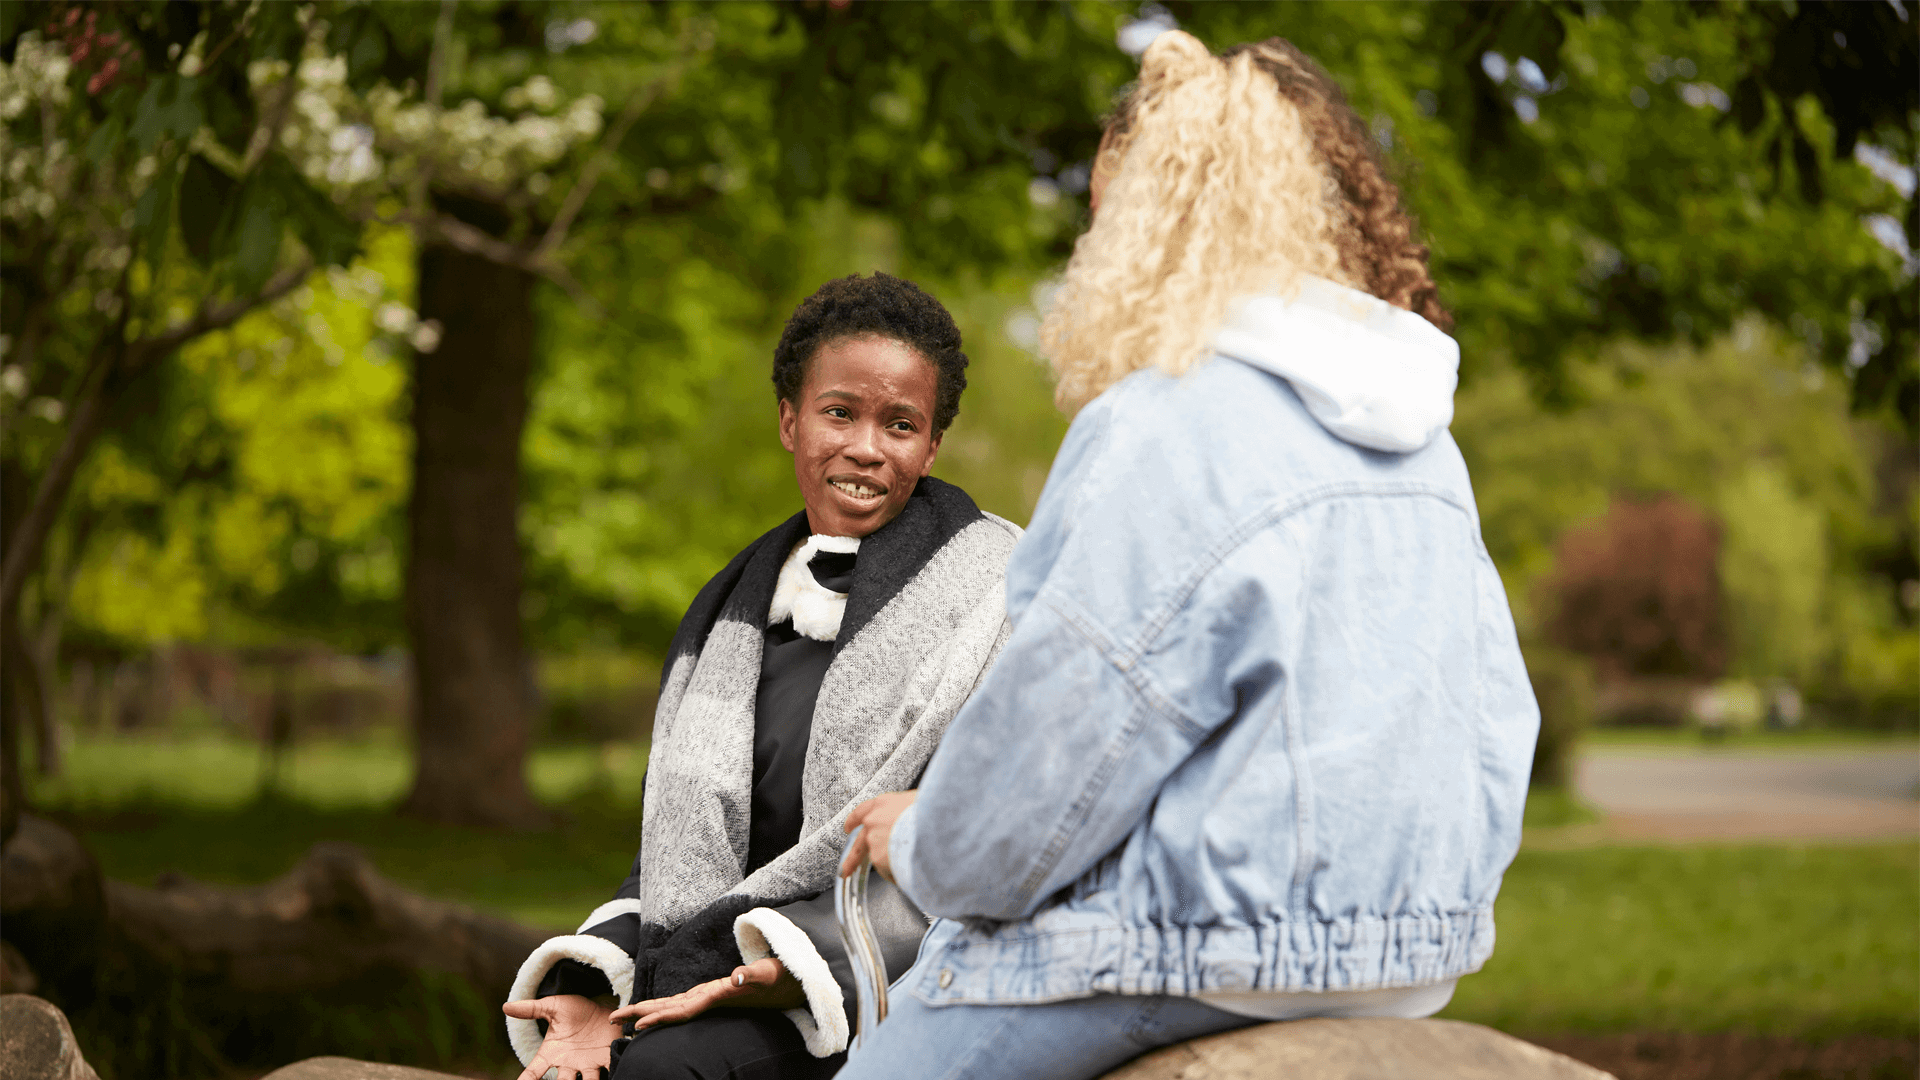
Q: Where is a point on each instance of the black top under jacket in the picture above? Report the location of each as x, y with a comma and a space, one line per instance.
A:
792, 668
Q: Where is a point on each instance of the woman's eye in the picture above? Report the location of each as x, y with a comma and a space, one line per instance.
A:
839, 412
902, 425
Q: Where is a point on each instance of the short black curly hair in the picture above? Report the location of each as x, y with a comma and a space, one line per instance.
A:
877, 306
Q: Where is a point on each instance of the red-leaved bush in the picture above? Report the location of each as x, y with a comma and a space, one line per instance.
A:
1639, 591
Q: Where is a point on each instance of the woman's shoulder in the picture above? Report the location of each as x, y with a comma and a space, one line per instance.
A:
987, 543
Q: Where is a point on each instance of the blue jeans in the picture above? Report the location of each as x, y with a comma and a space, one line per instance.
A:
1063, 1040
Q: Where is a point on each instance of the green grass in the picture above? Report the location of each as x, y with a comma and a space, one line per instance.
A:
1556, 807
1774, 939
148, 806
211, 772
1687, 739
1782, 939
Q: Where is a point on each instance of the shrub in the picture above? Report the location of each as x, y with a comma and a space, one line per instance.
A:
1639, 591
1563, 685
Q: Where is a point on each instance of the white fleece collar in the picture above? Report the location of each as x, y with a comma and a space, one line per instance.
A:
815, 609
1373, 374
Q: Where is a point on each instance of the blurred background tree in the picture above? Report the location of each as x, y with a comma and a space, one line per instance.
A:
386, 378
525, 415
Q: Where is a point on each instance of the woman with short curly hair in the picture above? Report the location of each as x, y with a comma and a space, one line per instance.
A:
816, 670
1258, 746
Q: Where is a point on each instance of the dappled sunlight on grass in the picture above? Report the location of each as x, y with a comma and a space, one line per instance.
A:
210, 772
1773, 939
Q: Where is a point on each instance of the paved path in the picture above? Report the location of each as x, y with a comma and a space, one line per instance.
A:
1710, 794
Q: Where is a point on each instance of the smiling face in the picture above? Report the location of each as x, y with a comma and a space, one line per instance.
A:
861, 432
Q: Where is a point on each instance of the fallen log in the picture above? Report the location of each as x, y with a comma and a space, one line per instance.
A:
258, 975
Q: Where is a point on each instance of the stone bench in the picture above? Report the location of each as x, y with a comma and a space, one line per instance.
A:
1300, 1050
37, 1044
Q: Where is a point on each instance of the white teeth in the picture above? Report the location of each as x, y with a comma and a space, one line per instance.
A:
858, 491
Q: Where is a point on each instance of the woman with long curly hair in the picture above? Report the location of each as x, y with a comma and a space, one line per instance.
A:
1258, 746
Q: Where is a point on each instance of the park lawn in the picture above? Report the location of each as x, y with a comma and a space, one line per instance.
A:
146, 807
1801, 940
1764, 938
1693, 740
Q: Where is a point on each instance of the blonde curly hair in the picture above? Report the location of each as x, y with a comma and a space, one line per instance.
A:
1229, 176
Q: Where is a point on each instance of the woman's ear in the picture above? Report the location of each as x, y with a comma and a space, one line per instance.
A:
789, 417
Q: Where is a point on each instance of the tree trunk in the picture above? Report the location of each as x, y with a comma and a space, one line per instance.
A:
470, 693
16, 488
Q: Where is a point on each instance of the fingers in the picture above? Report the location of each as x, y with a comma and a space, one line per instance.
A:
535, 1069
855, 851
643, 1008
684, 1006
530, 1009
673, 1014
758, 975
859, 814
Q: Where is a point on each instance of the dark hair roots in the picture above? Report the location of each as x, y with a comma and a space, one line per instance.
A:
878, 306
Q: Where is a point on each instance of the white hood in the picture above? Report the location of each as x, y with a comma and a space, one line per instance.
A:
1375, 375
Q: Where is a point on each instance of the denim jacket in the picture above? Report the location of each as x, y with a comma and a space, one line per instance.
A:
1263, 722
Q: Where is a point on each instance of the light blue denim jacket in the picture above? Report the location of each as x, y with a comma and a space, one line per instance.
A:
1262, 723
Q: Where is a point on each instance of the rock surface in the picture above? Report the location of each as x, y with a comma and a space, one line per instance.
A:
339, 1068
1357, 1050
1297, 1050
36, 1043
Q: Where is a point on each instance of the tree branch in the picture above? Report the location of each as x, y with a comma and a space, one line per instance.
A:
217, 316
114, 358
83, 424
461, 236
590, 174
437, 59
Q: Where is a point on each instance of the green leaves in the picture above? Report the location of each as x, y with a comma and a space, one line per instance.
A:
168, 108
327, 233
242, 225
204, 198
153, 214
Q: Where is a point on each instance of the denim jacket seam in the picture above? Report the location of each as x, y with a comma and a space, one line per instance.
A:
1082, 806
1071, 612
1258, 522
1139, 715
1303, 819
1094, 455
1481, 748
1022, 930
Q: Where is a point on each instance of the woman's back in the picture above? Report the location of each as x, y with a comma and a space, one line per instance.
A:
1305, 639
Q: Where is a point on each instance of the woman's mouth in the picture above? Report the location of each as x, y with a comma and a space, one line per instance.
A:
856, 489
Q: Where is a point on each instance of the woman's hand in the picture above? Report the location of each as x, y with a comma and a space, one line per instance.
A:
763, 984
878, 815
579, 1035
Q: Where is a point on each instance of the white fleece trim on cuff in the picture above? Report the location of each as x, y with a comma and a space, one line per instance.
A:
764, 932
612, 909
597, 952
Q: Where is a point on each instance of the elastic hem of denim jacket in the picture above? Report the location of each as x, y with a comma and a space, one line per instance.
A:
1017, 965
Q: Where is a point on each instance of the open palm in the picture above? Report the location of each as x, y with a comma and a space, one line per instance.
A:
579, 1035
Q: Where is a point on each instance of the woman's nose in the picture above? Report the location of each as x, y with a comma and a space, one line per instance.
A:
863, 445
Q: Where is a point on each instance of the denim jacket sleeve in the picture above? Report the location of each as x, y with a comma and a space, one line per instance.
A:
1067, 741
